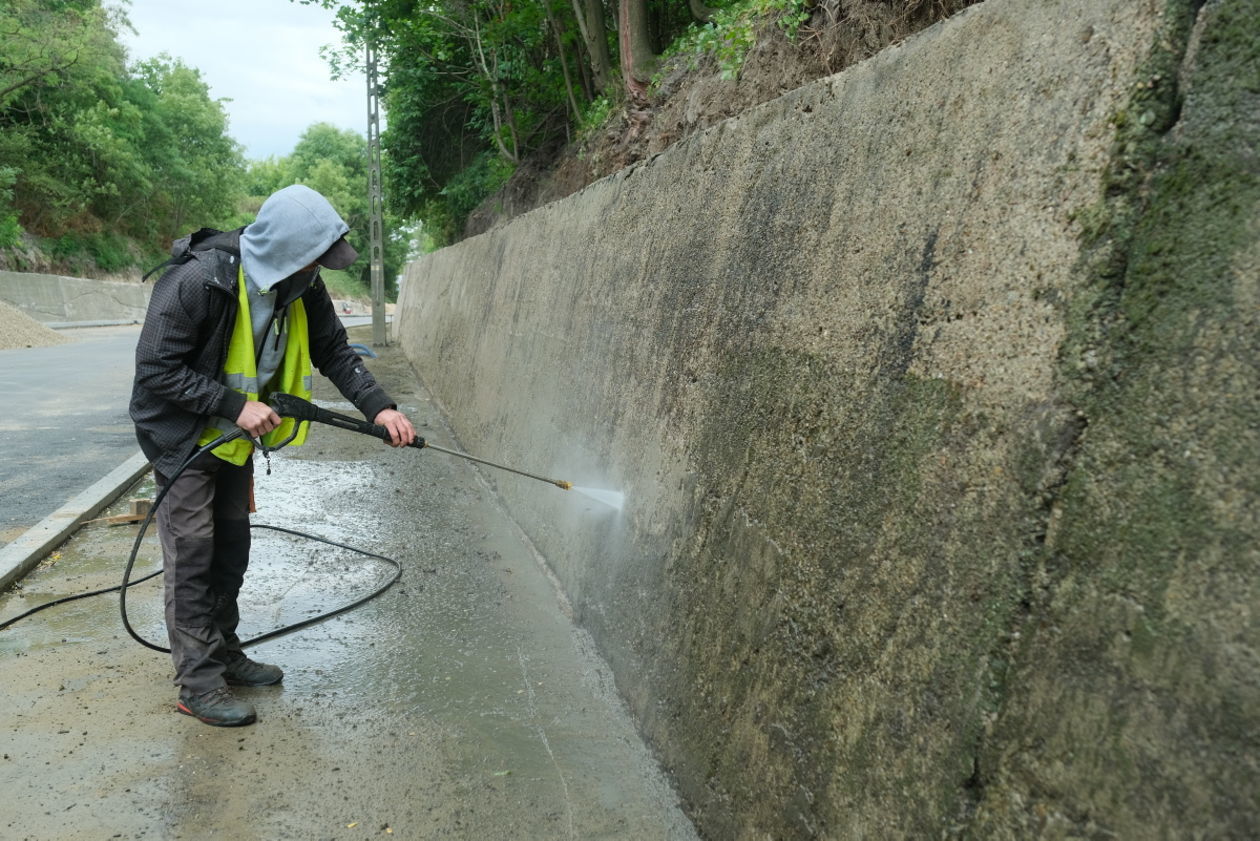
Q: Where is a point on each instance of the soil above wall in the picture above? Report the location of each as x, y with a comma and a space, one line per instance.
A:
691, 95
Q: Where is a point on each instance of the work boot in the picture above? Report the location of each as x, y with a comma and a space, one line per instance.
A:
218, 707
246, 672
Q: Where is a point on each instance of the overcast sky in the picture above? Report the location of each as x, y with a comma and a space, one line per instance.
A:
261, 54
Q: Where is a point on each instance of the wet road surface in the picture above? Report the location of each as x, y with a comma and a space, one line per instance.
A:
461, 704
65, 422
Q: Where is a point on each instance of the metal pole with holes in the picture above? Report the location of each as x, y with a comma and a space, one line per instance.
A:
377, 245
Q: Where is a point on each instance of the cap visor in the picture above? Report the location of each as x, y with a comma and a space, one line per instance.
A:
339, 256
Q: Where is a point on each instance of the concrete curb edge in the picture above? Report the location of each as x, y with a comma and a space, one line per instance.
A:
18, 557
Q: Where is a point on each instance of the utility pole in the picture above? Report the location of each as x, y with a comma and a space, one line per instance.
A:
377, 246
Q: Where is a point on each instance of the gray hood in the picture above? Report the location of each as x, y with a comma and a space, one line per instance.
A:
294, 227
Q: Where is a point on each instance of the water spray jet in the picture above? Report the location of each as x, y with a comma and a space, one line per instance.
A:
613, 499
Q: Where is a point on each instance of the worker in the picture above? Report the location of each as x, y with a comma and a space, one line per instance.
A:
239, 315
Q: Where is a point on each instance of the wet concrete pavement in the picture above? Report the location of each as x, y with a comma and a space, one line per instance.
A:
65, 421
462, 703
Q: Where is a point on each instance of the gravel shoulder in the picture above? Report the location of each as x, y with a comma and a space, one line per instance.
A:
19, 330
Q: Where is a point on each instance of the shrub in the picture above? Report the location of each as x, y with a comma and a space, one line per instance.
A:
10, 230
731, 32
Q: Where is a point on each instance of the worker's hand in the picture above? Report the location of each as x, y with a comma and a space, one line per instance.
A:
257, 418
401, 432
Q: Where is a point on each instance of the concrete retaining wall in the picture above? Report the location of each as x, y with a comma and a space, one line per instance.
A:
56, 299
932, 389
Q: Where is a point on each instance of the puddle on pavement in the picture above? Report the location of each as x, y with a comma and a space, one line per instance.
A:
438, 648
472, 639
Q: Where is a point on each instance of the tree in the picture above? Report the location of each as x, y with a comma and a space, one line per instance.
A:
590, 18
638, 60
333, 161
195, 168
94, 149
45, 42
473, 87
262, 178
60, 73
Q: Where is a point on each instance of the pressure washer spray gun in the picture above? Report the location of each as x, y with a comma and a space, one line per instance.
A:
289, 406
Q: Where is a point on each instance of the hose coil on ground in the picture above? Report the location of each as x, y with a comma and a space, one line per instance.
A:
122, 588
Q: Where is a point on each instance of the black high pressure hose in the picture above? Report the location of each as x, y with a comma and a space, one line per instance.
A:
121, 589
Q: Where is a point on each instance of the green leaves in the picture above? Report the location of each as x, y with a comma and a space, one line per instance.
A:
50, 44
92, 145
467, 81
10, 230
730, 33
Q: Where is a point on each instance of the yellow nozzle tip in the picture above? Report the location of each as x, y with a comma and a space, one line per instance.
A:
564, 485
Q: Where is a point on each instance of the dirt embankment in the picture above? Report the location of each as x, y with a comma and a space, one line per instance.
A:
691, 95
19, 330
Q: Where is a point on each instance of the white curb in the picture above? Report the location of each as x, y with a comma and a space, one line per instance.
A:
18, 557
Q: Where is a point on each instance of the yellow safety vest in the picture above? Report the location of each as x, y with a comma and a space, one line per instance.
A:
241, 374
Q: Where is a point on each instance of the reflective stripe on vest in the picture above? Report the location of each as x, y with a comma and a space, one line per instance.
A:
240, 373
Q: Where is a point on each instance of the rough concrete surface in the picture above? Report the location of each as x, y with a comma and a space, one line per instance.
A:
932, 391
462, 703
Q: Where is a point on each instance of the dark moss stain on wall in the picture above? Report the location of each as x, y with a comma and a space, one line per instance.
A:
844, 610
1136, 700
864, 621
886, 605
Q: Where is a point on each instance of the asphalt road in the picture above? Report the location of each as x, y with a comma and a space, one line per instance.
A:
64, 423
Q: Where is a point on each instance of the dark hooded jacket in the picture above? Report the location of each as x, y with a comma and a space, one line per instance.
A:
183, 347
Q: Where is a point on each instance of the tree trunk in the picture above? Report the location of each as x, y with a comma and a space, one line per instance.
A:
589, 91
502, 122
500, 111
590, 19
564, 63
637, 59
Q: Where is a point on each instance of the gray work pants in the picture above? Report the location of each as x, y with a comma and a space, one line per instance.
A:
203, 524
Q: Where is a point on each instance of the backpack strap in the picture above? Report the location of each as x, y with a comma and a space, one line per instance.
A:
182, 249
